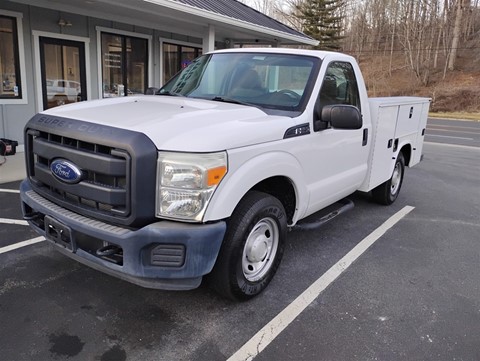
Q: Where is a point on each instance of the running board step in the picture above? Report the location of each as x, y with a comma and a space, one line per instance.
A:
321, 217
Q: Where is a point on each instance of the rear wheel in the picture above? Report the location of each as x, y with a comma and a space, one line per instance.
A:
387, 192
252, 249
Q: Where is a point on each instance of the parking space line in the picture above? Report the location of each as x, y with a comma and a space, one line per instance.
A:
270, 331
13, 221
4, 190
21, 244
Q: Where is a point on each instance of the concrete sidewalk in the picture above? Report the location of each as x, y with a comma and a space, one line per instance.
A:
13, 169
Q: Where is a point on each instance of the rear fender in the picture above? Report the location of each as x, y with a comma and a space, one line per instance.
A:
406, 147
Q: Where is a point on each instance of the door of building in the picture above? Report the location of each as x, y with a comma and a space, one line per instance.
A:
63, 71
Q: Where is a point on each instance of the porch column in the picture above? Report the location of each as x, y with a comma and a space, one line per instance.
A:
209, 39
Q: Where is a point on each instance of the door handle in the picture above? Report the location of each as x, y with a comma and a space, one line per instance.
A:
365, 137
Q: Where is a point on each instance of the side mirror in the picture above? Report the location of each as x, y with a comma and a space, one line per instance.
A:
342, 116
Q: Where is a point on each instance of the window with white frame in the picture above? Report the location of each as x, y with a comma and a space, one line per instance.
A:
10, 81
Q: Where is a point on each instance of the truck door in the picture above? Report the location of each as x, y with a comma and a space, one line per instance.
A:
339, 157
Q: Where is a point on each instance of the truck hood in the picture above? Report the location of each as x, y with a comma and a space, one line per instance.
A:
182, 124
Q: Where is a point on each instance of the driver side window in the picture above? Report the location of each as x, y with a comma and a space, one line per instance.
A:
339, 85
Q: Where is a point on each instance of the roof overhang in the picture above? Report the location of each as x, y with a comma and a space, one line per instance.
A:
172, 16
256, 31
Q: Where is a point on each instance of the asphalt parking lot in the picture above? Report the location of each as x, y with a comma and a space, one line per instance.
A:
413, 295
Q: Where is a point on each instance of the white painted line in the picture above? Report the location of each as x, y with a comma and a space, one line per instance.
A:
433, 126
447, 136
270, 331
21, 244
13, 221
4, 190
471, 147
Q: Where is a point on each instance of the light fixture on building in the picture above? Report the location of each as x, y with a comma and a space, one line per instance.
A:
63, 22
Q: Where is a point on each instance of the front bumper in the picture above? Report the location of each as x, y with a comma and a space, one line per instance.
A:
143, 257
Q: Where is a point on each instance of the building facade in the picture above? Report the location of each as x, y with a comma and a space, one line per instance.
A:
55, 52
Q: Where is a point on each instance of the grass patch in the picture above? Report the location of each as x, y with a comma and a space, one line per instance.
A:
456, 115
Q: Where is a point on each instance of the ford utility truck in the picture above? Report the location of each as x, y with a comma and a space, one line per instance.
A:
205, 177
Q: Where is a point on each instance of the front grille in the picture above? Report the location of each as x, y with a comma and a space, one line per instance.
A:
105, 173
118, 169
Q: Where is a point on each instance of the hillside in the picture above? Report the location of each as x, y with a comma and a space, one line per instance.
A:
458, 91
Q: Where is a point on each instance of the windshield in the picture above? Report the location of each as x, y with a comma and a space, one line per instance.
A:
269, 81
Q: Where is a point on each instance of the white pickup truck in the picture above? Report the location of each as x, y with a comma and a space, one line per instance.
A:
205, 177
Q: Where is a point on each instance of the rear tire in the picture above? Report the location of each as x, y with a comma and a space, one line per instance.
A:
387, 192
252, 248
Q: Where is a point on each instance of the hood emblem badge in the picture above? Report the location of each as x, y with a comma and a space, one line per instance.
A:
66, 171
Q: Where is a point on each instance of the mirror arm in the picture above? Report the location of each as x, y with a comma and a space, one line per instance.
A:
319, 125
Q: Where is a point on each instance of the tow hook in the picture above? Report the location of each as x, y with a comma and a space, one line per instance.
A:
112, 253
109, 250
32, 216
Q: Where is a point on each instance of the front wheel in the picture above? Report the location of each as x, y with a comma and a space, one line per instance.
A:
387, 192
252, 249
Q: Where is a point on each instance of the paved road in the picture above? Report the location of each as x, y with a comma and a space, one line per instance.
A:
453, 132
413, 295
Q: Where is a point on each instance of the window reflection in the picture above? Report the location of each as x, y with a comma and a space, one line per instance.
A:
125, 65
176, 58
62, 74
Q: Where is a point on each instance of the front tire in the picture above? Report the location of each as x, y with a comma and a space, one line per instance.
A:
252, 248
387, 192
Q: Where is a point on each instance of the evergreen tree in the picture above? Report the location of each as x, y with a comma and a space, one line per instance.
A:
322, 20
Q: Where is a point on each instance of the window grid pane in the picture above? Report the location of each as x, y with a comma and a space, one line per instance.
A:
176, 58
136, 65
9, 59
112, 61
171, 61
124, 64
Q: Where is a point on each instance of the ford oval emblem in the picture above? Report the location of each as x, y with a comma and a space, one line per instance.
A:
66, 171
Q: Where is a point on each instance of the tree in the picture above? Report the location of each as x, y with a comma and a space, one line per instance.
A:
323, 21
456, 34
267, 7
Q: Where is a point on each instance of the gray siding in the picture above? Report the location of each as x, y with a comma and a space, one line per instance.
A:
13, 117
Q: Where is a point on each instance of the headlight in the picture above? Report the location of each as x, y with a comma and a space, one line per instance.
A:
186, 182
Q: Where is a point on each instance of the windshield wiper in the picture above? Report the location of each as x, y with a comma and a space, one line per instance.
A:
233, 101
169, 93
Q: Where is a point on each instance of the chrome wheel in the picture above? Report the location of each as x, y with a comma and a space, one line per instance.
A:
60, 100
387, 192
396, 179
252, 249
260, 249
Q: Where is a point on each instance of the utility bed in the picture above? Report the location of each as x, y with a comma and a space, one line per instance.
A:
394, 120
